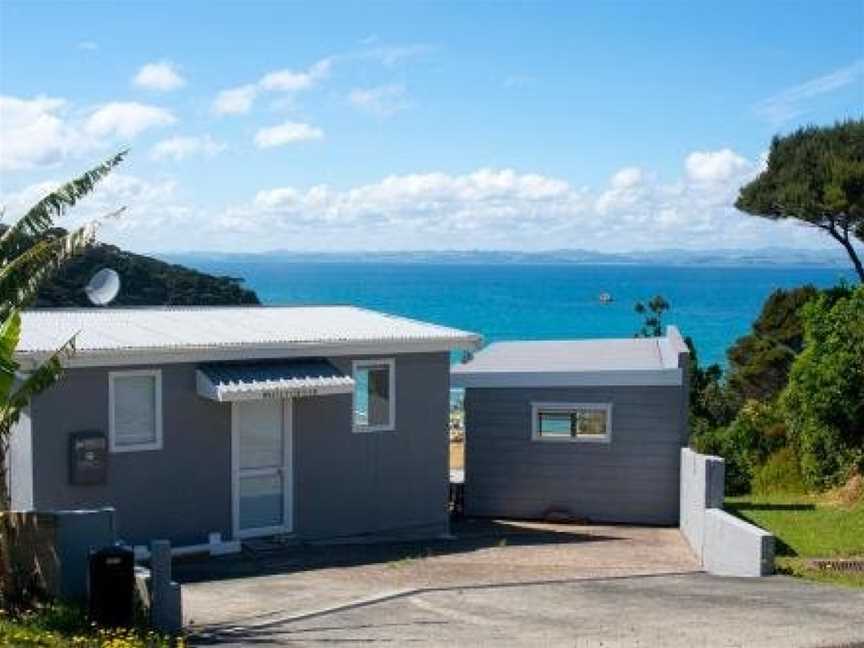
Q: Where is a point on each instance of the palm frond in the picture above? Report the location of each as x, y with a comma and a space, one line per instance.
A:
10, 334
23, 276
37, 381
40, 218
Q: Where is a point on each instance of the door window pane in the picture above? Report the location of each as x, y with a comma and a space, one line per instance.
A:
261, 503
260, 428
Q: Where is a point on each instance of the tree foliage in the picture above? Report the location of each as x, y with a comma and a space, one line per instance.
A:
652, 312
815, 175
756, 432
824, 400
759, 363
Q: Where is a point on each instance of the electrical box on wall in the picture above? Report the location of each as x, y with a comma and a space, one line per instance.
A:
88, 458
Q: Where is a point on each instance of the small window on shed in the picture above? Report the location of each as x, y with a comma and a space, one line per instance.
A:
572, 422
135, 416
374, 395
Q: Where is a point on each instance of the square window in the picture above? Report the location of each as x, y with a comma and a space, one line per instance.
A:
374, 396
135, 400
571, 422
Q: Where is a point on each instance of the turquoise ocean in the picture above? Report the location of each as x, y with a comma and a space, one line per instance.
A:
713, 305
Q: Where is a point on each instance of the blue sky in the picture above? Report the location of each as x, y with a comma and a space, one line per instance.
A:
256, 126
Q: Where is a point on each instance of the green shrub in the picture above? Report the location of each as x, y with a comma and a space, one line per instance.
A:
718, 442
781, 473
824, 401
746, 443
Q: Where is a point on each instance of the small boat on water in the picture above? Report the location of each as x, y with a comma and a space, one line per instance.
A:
605, 298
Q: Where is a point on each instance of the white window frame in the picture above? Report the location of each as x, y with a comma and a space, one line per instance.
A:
537, 408
390, 363
113, 446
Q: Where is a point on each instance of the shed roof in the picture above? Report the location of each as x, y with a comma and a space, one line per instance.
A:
575, 362
176, 334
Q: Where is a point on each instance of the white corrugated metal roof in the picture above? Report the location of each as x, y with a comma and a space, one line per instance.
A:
185, 329
565, 362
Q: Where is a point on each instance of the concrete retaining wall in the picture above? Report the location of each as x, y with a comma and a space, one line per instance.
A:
724, 544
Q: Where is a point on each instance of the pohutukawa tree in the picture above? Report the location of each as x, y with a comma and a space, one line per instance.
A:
815, 175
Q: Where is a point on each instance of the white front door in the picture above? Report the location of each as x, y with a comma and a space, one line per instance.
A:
261, 467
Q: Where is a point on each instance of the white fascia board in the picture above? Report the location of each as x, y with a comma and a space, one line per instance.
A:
503, 379
130, 357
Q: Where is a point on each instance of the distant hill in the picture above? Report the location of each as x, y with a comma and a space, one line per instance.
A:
829, 257
145, 281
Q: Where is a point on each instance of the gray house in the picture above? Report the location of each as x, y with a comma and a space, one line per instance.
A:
590, 428
208, 425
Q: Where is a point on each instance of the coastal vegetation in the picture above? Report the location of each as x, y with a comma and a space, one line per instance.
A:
816, 176
787, 414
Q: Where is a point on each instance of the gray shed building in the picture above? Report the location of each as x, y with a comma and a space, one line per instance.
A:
590, 428
208, 425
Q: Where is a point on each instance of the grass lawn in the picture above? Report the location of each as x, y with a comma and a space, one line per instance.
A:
806, 527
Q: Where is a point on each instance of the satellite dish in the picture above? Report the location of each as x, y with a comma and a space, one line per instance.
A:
103, 287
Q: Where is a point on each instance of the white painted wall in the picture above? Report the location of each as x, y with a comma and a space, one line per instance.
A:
724, 544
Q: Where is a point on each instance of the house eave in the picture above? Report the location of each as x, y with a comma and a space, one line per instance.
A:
158, 356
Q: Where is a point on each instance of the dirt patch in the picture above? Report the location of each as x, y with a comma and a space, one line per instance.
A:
848, 495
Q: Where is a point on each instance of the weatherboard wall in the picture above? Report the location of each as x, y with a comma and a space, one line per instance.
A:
345, 483
181, 492
634, 478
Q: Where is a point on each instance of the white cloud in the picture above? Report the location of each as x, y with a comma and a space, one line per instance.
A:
46, 131
503, 208
286, 133
486, 208
179, 148
235, 101
239, 100
153, 213
383, 101
290, 81
126, 119
35, 133
716, 166
163, 76
626, 190
792, 102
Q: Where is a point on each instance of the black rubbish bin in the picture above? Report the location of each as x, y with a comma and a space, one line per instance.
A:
111, 586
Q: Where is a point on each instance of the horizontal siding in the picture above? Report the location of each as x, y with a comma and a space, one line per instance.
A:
634, 478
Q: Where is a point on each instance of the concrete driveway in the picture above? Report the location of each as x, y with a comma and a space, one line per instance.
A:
507, 584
